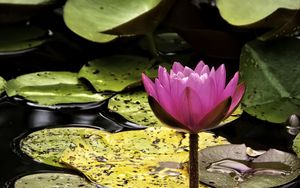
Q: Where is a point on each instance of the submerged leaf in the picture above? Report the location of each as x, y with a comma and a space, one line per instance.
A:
271, 74
230, 166
115, 73
248, 12
18, 39
51, 88
52, 179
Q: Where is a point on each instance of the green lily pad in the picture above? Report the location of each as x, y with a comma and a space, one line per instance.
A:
116, 73
2, 85
134, 106
18, 39
230, 166
46, 145
296, 145
27, 2
271, 75
51, 88
52, 179
89, 18
244, 12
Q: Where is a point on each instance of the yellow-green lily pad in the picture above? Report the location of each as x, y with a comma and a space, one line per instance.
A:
116, 73
52, 179
296, 145
145, 158
46, 145
2, 85
52, 88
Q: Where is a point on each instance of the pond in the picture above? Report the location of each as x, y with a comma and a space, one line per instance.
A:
75, 110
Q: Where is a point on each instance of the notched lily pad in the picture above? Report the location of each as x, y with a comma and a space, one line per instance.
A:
47, 145
146, 158
21, 39
116, 73
51, 88
277, 97
296, 145
52, 179
134, 106
230, 166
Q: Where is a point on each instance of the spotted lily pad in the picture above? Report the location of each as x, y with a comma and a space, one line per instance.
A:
115, 73
230, 166
52, 179
47, 145
2, 85
145, 158
271, 95
20, 39
134, 106
296, 145
248, 12
90, 18
51, 88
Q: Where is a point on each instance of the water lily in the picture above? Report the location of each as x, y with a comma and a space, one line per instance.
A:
193, 100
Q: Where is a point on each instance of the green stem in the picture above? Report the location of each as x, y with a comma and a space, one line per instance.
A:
193, 162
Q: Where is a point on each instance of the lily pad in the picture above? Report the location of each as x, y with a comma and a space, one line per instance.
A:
249, 12
271, 95
20, 39
296, 145
2, 85
46, 145
51, 88
52, 179
134, 106
89, 18
27, 2
230, 166
116, 73
146, 158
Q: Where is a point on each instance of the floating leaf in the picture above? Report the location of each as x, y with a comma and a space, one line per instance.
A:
249, 12
151, 157
115, 73
20, 39
89, 18
296, 145
271, 74
50, 88
230, 166
47, 145
2, 85
52, 179
134, 106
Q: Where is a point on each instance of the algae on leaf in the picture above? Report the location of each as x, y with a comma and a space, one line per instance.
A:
271, 73
52, 88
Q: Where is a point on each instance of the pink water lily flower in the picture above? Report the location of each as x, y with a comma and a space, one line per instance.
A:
193, 100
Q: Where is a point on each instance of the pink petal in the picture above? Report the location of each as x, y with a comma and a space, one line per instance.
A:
149, 86
231, 86
204, 70
164, 98
191, 108
199, 67
187, 71
177, 67
236, 98
220, 79
164, 78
